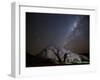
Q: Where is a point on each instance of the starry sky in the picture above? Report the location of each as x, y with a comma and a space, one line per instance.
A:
63, 30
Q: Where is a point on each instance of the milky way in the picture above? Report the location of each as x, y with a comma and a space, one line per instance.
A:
74, 30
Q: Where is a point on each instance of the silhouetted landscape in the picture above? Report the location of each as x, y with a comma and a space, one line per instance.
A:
40, 60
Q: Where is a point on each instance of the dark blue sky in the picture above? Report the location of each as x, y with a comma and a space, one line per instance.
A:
62, 30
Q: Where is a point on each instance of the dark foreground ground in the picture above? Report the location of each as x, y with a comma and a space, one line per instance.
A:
34, 61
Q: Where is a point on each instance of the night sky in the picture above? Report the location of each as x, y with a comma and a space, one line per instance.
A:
62, 30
